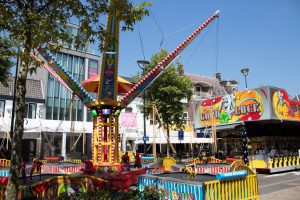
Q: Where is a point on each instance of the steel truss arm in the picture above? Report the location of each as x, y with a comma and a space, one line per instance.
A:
156, 71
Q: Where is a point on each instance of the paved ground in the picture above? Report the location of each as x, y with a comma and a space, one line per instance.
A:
283, 186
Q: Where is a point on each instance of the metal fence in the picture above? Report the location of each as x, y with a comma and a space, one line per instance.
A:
233, 189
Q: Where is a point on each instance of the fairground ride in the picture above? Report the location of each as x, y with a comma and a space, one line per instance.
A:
260, 126
106, 109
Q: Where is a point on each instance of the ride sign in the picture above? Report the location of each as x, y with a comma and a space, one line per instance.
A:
231, 175
181, 135
145, 138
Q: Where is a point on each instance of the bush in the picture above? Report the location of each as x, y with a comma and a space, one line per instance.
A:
89, 195
149, 193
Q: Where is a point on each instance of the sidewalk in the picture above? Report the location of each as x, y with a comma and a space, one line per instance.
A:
287, 194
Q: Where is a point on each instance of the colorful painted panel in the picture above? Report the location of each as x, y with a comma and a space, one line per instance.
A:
232, 108
174, 190
109, 68
283, 107
53, 187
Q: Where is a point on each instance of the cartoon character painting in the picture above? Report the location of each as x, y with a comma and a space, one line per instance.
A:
227, 108
281, 106
231, 108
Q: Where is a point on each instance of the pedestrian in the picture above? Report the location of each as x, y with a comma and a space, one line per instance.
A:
138, 160
37, 165
89, 167
125, 162
125, 158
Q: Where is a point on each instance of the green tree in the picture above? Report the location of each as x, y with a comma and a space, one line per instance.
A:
30, 23
167, 92
6, 63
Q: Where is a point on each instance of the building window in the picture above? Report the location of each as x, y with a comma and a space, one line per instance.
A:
93, 68
128, 110
30, 110
198, 90
2, 108
58, 97
185, 118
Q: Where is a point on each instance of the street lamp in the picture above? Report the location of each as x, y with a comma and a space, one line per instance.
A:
245, 73
143, 64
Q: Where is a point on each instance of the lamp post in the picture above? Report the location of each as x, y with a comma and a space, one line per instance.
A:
245, 73
143, 64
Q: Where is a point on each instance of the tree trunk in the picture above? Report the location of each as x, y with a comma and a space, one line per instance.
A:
168, 146
16, 156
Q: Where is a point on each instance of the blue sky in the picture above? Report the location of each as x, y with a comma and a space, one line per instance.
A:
262, 35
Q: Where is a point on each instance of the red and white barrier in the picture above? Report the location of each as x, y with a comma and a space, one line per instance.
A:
207, 169
54, 169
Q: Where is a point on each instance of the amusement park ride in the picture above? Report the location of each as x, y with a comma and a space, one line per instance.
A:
106, 109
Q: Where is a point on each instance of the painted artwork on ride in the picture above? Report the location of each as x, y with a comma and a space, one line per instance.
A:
109, 68
173, 189
263, 103
283, 107
52, 187
232, 108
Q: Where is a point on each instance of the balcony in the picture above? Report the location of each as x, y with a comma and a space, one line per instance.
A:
198, 95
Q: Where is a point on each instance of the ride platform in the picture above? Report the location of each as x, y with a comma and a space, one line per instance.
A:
123, 180
50, 186
180, 185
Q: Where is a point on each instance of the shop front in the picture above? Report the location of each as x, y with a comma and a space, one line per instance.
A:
261, 126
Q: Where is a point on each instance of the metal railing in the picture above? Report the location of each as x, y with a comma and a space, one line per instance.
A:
4, 163
283, 161
233, 189
208, 160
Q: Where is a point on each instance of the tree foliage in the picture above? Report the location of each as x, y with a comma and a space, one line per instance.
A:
168, 92
30, 23
6, 62
41, 21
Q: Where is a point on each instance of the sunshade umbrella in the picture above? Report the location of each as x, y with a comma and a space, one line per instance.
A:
92, 84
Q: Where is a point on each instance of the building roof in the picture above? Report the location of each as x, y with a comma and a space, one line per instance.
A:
33, 89
129, 79
207, 82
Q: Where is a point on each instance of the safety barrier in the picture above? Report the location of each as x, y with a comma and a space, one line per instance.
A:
207, 160
149, 159
240, 165
172, 189
205, 169
48, 169
233, 189
52, 159
282, 161
236, 185
4, 163
155, 170
168, 162
212, 169
73, 160
4, 173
